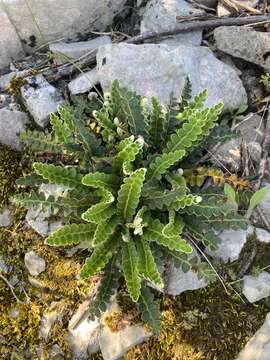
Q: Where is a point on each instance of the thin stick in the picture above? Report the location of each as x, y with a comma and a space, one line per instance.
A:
11, 289
198, 25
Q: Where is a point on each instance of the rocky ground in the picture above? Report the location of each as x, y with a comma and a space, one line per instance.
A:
43, 305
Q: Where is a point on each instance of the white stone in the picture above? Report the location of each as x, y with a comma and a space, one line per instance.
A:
53, 190
177, 281
53, 314
256, 288
160, 15
263, 235
158, 70
232, 242
258, 347
114, 345
84, 82
41, 99
10, 45
84, 339
5, 218
38, 221
61, 19
12, 124
34, 263
65, 51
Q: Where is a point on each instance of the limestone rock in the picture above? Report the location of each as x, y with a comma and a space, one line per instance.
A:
38, 220
161, 15
83, 339
12, 124
232, 243
5, 218
114, 345
59, 19
10, 44
258, 347
244, 43
34, 263
264, 205
256, 288
158, 70
178, 281
65, 51
41, 99
263, 235
54, 313
84, 82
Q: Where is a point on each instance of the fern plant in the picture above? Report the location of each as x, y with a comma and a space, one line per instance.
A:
128, 201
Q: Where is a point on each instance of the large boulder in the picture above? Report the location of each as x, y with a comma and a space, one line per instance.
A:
158, 70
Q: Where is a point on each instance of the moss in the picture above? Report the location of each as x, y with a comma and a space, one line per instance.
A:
15, 85
225, 327
9, 172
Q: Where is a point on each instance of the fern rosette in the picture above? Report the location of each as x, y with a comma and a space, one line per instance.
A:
128, 201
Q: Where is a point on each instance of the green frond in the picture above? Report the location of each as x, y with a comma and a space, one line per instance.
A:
105, 229
157, 121
37, 200
71, 235
129, 194
130, 269
185, 201
40, 141
149, 309
162, 163
67, 176
154, 232
146, 263
61, 131
100, 257
103, 210
101, 180
107, 288
157, 199
128, 149
127, 108
181, 260
31, 180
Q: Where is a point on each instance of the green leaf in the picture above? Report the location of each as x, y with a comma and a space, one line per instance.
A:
100, 180
130, 269
129, 194
154, 232
105, 229
231, 194
159, 199
68, 176
128, 149
157, 123
61, 131
149, 309
162, 163
41, 142
101, 255
146, 263
71, 235
256, 199
186, 200
101, 211
36, 200
107, 288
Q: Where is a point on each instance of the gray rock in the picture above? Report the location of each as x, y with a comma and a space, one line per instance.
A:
245, 43
258, 347
84, 82
34, 263
160, 15
179, 282
5, 79
262, 235
222, 10
251, 128
41, 99
54, 313
256, 288
114, 345
65, 51
158, 70
38, 221
10, 44
5, 218
208, 3
12, 124
228, 155
84, 339
232, 243
58, 19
